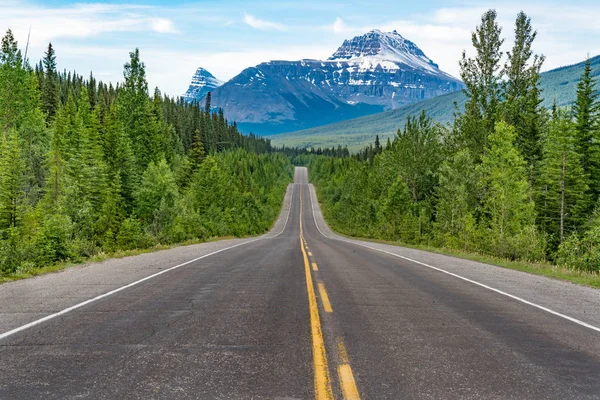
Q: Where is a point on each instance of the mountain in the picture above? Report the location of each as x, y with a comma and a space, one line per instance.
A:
367, 74
559, 84
202, 83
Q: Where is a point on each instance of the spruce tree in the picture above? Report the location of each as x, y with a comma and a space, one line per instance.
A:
506, 208
207, 104
522, 106
482, 77
50, 91
136, 112
586, 112
455, 204
12, 179
118, 156
564, 198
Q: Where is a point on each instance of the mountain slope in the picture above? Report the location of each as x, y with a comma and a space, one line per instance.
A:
202, 83
370, 73
559, 84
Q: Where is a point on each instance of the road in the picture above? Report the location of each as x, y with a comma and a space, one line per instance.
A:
298, 313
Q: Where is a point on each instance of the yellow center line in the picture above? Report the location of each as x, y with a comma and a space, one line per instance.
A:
347, 382
321, 370
315, 267
324, 297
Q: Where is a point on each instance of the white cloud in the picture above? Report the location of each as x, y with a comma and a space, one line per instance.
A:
162, 25
262, 24
566, 33
79, 21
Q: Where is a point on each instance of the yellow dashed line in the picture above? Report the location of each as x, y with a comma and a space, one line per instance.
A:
315, 267
324, 297
347, 382
321, 370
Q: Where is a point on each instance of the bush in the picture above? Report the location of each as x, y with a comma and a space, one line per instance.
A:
131, 235
581, 253
54, 241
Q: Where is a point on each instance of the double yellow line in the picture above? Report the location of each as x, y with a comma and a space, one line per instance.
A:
322, 380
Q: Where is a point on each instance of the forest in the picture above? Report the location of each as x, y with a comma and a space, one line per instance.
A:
88, 168
508, 178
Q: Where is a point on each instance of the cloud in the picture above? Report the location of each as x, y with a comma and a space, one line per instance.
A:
162, 25
262, 24
79, 21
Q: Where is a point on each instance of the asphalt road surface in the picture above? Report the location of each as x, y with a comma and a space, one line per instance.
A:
298, 313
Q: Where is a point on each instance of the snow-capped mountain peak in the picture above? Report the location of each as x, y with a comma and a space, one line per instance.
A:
202, 83
388, 49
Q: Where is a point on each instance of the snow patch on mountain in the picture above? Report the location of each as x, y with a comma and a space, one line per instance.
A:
386, 50
202, 83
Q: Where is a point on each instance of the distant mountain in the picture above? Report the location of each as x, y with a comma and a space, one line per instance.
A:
367, 74
202, 83
559, 84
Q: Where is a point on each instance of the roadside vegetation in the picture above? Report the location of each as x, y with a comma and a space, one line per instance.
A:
508, 180
88, 169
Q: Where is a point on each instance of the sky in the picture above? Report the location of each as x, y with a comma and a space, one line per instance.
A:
227, 36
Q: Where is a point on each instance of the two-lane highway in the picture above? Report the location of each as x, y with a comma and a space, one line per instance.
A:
301, 313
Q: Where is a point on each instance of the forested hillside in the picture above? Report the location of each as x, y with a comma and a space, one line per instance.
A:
86, 167
509, 178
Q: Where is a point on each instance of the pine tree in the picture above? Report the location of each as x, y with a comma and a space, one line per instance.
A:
522, 105
506, 207
136, 113
93, 178
50, 91
418, 155
378, 147
455, 195
12, 179
564, 198
586, 111
482, 77
119, 157
207, 104
55, 185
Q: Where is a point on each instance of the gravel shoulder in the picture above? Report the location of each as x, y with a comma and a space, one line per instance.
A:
580, 302
27, 300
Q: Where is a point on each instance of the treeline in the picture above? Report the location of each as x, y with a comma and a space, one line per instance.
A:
86, 167
508, 178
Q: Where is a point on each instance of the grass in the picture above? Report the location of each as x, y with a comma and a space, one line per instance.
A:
546, 269
101, 257
537, 268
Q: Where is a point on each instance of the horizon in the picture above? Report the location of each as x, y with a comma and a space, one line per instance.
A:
173, 41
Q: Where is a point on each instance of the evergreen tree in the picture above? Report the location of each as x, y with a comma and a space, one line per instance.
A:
207, 104
508, 212
194, 160
136, 114
455, 205
522, 105
50, 91
378, 147
119, 157
586, 111
418, 155
12, 170
482, 78
564, 198
55, 185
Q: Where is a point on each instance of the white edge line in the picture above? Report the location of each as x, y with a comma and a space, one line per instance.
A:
289, 211
83, 303
575, 320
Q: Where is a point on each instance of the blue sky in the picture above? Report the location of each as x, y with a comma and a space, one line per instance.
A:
176, 37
